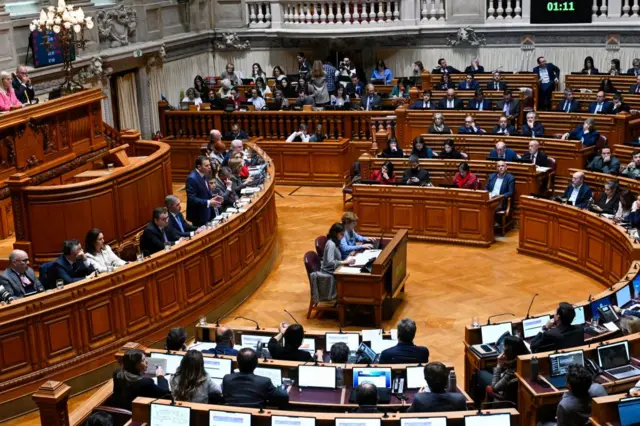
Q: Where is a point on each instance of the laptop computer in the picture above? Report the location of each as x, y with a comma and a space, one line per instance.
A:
579, 319
533, 326
492, 336
227, 418
614, 360
379, 376
502, 419
217, 368
275, 374
560, 366
292, 421
358, 421
352, 340
424, 421
629, 411
159, 413
313, 376
365, 355
598, 303
623, 296
415, 378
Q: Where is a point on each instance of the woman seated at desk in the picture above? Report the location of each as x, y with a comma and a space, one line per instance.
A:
192, 383
504, 374
609, 199
464, 179
340, 99
8, 97
438, 127
627, 199
421, 150
244, 169
449, 151
323, 285
238, 183
401, 89
392, 150
129, 381
99, 254
385, 174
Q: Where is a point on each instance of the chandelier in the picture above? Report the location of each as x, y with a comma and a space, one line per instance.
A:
68, 26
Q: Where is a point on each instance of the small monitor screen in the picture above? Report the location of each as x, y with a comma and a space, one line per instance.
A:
217, 367
559, 12
367, 352
415, 378
311, 376
636, 286
292, 421
614, 355
381, 377
275, 374
623, 296
251, 341
224, 418
351, 339
560, 363
173, 361
425, 421
491, 333
358, 422
596, 304
169, 415
308, 345
629, 411
579, 318
488, 420
533, 326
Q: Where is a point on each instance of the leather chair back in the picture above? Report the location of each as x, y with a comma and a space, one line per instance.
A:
311, 262
321, 241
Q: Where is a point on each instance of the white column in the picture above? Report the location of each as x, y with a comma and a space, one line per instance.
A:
526, 9
276, 14
636, 8
615, 9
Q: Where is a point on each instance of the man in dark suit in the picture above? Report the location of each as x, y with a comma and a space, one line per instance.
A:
158, 232
636, 68
249, 390
72, 265
619, 105
578, 193
635, 89
568, 104
443, 68
585, 133
450, 101
479, 103
366, 398
355, 88
497, 83
509, 106
22, 86
372, 100
470, 127
503, 152
532, 128
558, 333
475, 67
439, 398
405, 352
501, 183
19, 279
548, 75
605, 163
176, 219
469, 83
200, 200
425, 102
223, 190
503, 127
415, 175
293, 336
601, 105
535, 156
236, 133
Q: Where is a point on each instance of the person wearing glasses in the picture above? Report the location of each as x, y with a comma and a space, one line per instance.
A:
19, 279
22, 86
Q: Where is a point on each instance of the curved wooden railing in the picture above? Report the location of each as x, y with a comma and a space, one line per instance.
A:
70, 332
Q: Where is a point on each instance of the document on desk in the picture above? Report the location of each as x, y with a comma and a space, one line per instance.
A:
365, 256
542, 169
348, 270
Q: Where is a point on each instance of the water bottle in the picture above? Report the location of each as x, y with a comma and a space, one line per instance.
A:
534, 368
453, 386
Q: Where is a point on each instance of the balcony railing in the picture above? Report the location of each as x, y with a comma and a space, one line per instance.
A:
347, 12
503, 10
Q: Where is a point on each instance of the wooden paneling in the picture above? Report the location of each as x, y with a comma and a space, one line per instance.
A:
586, 98
592, 82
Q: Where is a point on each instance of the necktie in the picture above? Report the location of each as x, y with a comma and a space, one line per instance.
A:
164, 236
480, 104
533, 158
599, 108
25, 281
566, 106
449, 104
638, 89
495, 86
506, 109
424, 105
179, 223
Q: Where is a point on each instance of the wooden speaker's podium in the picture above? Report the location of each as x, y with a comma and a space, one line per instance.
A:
380, 288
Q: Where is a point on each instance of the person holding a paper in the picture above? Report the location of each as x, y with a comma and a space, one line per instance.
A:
405, 352
129, 382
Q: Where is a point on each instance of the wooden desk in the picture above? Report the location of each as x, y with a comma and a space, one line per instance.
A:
604, 409
494, 96
514, 81
616, 128
429, 213
586, 98
624, 154
596, 181
384, 283
592, 82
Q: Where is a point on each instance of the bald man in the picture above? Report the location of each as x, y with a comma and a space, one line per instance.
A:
503, 153
501, 183
535, 156
19, 279
578, 193
224, 342
22, 86
236, 133
371, 100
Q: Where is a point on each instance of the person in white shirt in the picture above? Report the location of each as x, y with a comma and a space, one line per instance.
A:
99, 254
301, 135
191, 96
578, 193
256, 100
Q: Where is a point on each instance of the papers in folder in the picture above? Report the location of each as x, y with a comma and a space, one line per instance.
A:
365, 256
542, 169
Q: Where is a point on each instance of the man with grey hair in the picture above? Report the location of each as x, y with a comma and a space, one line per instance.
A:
176, 219
532, 127
578, 193
19, 279
22, 86
236, 146
503, 153
405, 352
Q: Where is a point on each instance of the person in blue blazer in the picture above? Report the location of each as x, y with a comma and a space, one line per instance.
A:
578, 193
450, 101
568, 104
636, 67
425, 103
470, 127
585, 133
469, 83
176, 218
501, 183
601, 104
497, 83
636, 87
479, 103
200, 199
503, 152
532, 128
503, 127
548, 75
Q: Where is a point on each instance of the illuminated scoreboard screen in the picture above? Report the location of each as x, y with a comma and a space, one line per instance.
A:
43, 57
561, 12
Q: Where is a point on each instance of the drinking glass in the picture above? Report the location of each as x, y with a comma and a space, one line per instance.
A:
167, 245
110, 167
475, 322
59, 284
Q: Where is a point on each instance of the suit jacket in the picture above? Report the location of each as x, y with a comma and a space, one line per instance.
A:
248, 389
462, 130
510, 129
620, 108
634, 88
123, 395
475, 104
463, 85
509, 154
492, 85
357, 89
152, 240
607, 107
241, 135
12, 283
538, 129
552, 70
470, 70
633, 71
514, 107
541, 159
405, 353
198, 196
375, 101
558, 338
229, 197
176, 221
587, 139
419, 105
449, 69
445, 86
598, 165
507, 189
430, 402
574, 106
22, 92
610, 207
457, 104
584, 195
287, 352
67, 272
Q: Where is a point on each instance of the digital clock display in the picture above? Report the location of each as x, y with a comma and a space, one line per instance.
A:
561, 12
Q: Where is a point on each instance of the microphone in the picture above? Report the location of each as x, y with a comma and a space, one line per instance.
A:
530, 305
590, 299
221, 317
249, 319
292, 317
497, 315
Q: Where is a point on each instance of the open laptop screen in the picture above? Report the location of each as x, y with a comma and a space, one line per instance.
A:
623, 296
169, 415
503, 419
351, 339
579, 318
226, 418
311, 376
560, 362
629, 411
533, 326
491, 333
292, 421
596, 304
614, 355
381, 377
424, 421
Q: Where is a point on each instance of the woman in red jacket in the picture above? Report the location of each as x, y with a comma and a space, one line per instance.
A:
244, 169
385, 174
464, 178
